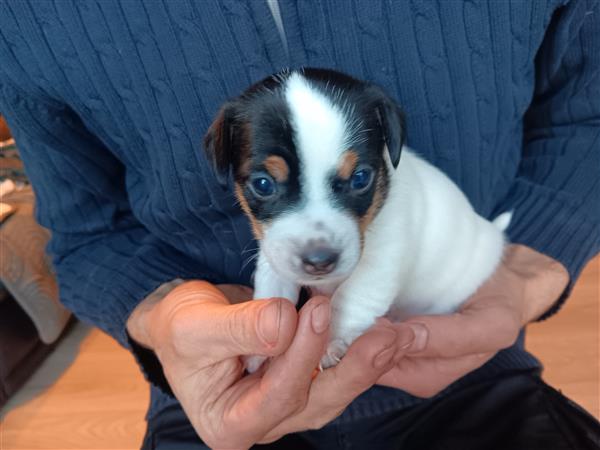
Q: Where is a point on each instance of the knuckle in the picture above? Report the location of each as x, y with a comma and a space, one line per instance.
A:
294, 403
230, 369
238, 329
290, 400
179, 335
353, 382
359, 382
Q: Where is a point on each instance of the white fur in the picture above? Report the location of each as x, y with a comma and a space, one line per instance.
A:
322, 136
425, 252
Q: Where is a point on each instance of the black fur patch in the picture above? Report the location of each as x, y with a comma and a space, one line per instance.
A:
263, 112
257, 125
358, 204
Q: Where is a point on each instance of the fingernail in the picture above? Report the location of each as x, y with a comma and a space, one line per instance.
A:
406, 337
421, 335
268, 322
320, 317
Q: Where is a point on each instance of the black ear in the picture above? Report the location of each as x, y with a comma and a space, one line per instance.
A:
218, 144
391, 119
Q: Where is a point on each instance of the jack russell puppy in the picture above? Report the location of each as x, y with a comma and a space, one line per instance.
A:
341, 206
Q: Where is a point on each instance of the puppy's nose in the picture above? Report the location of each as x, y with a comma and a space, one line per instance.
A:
319, 260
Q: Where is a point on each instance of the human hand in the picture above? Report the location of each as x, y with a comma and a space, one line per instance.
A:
447, 347
199, 337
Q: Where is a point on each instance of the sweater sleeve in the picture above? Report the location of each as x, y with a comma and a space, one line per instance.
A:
555, 197
106, 262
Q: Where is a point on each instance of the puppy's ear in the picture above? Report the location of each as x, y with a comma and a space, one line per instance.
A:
391, 119
218, 143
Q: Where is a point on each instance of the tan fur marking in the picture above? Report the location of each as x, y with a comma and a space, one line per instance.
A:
245, 167
256, 225
376, 204
348, 163
277, 167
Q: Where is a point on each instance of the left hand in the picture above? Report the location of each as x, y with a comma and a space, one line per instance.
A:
447, 347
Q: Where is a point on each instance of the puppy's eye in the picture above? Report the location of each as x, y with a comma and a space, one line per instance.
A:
361, 179
263, 186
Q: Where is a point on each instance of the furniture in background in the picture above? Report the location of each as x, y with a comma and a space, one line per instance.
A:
31, 317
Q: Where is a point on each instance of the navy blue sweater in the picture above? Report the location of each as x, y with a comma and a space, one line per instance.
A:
109, 101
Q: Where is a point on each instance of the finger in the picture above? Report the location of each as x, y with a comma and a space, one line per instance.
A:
473, 330
425, 377
289, 376
367, 359
283, 388
264, 327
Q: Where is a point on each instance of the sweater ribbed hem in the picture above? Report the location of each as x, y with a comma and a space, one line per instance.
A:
555, 227
146, 358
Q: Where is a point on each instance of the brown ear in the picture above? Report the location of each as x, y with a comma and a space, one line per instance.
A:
218, 144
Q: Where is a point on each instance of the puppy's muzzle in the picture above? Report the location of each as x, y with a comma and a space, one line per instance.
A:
319, 260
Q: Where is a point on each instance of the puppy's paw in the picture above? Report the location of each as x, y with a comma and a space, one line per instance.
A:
253, 362
336, 349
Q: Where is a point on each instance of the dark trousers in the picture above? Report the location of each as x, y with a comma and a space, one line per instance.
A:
512, 412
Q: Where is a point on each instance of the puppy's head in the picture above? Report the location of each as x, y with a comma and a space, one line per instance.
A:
310, 152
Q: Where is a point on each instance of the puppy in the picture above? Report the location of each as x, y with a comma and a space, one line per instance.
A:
341, 206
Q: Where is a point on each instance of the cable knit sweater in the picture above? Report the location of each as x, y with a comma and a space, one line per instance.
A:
109, 101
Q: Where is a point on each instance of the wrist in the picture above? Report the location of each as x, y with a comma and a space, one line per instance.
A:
139, 323
542, 279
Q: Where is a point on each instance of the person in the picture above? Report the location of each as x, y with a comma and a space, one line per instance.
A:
109, 101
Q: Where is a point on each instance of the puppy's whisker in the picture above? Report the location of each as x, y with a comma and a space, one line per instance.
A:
248, 261
249, 243
255, 249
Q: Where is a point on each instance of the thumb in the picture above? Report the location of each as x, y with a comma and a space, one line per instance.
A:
222, 330
259, 327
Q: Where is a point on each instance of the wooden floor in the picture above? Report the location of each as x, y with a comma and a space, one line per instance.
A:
569, 343
90, 395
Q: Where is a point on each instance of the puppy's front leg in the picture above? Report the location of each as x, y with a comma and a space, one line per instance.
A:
269, 284
355, 305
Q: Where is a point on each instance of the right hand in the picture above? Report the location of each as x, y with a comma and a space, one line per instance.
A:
199, 336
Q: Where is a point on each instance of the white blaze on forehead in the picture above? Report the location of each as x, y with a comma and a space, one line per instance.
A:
320, 131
